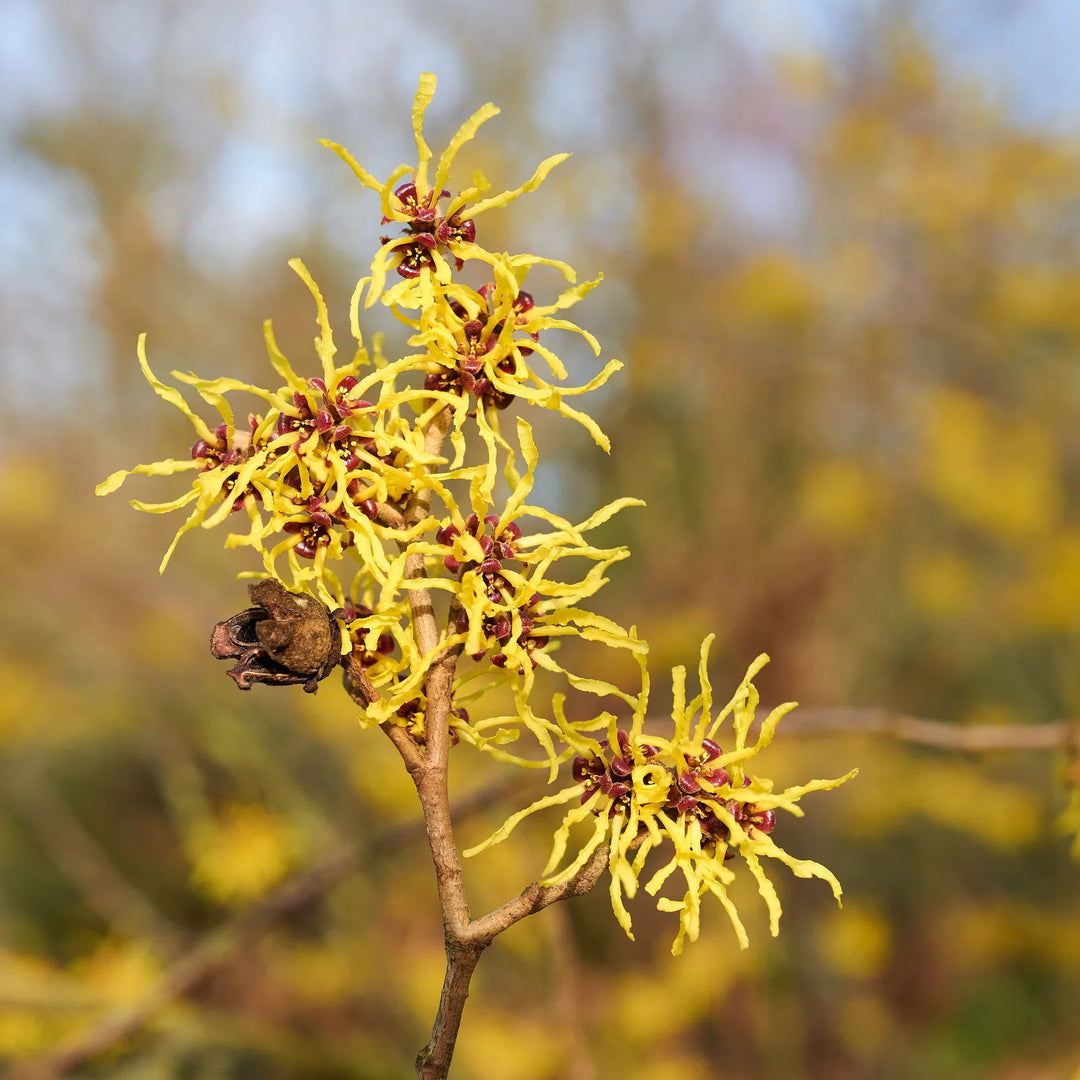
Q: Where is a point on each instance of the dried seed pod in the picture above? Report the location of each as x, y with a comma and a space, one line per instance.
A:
286, 638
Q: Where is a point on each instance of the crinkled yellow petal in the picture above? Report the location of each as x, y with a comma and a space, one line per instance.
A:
168, 467
193, 519
324, 343
523, 486
718, 890
737, 698
605, 513
656, 882
482, 492
554, 401
425, 91
362, 174
354, 313
600, 830
521, 264
277, 358
242, 479
766, 888
678, 710
597, 629
540, 729
166, 507
623, 879
563, 324
389, 211
461, 137
803, 868
512, 822
212, 391
596, 686
170, 393
704, 699
569, 297
213, 395
555, 366
380, 267
596, 381
787, 798
531, 184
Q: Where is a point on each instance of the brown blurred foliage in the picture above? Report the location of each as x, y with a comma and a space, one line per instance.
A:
851, 401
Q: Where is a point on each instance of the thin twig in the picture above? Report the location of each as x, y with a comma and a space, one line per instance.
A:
465, 938
967, 738
535, 898
428, 766
463, 950
429, 774
81, 857
390, 515
433, 1061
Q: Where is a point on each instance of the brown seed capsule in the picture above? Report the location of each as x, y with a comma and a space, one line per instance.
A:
286, 638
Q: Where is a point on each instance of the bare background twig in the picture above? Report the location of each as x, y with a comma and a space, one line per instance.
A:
208, 954
971, 739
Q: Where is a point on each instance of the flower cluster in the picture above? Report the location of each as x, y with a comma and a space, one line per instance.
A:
353, 484
644, 791
320, 470
372, 486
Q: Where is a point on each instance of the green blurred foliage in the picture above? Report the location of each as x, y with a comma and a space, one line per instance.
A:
859, 441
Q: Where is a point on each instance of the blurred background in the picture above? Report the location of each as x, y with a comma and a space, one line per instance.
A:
841, 241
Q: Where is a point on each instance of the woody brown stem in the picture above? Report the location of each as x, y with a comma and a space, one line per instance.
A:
433, 1061
535, 898
428, 768
465, 946
427, 763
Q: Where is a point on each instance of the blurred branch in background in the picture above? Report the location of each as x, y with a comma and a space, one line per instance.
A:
970, 739
64, 838
200, 961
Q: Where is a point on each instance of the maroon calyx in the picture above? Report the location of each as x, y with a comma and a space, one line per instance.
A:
428, 229
478, 336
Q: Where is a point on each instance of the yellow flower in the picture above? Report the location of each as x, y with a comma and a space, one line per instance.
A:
475, 342
316, 469
434, 231
490, 590
381, 641
643, 791
511, 601
241, 854
479, 346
